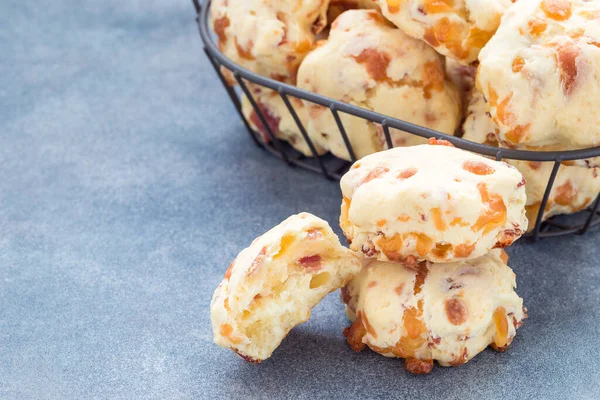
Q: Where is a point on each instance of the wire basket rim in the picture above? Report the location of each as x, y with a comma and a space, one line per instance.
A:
287, 89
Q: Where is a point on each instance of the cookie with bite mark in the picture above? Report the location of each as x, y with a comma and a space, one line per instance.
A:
273, 284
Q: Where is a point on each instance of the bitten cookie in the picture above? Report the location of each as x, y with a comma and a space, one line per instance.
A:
279, 119
369, 63
457, 30
272, 285
540, 75
574, 189
445, 312
431, 202
269, 37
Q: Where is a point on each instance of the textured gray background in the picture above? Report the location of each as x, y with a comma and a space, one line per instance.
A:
127, 185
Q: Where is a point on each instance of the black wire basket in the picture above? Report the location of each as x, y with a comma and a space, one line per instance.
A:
332, 167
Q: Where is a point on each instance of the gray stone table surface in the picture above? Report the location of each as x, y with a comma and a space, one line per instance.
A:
127, 185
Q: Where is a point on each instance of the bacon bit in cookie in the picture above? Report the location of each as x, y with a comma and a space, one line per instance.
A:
372, 284
403, 218
566, 59
219, 26
536, 26
461, 359
558, 10
439, 142
501, 323
381, 222
456, 311
229, 270
345, 295
438, 219
272, 122
314, 234
355, 333
535, 165
375, 62
453, 285
369, 251
464, 250
495, 215
518, 64
311, 263
407, 173
433, 343
418, 367
245, 53
377, 172
565, 194
258, 261
478, 168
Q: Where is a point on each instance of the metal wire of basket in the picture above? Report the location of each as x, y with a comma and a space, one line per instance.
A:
332, 167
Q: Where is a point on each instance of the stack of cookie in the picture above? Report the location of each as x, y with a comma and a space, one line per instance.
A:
430, 222
425, 278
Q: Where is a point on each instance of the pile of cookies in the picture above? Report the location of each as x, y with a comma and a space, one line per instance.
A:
425, 278
521, 76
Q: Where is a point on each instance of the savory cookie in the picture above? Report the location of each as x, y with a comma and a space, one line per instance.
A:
369, 63
456, 29
574, 189
279, 119
272, 285
269, 37
431, 202
445, 312
540, 75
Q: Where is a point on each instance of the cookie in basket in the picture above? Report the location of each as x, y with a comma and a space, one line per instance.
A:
279, 119
574, 189
445, 312
539, 74
456, 29
268, 37
369, 63
272, 285
431, 202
